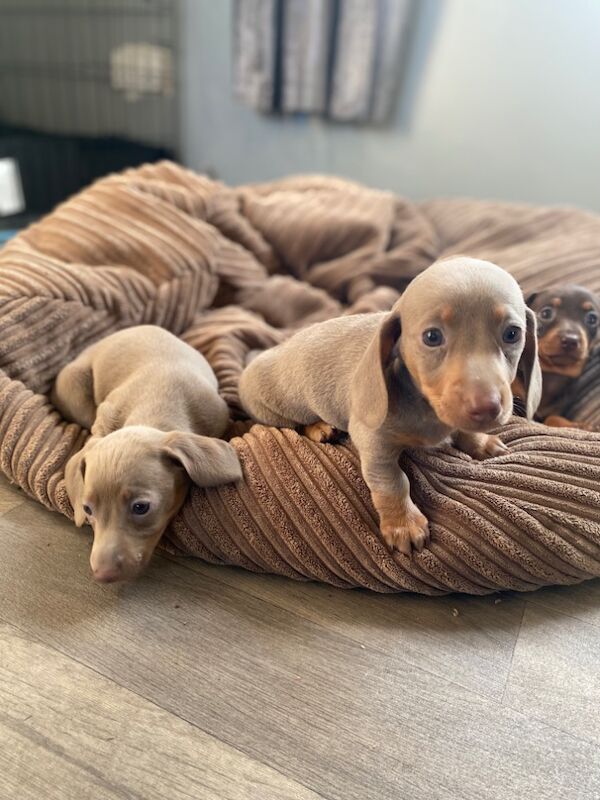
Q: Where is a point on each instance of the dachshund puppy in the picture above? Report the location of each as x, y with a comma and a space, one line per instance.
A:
151, 403
439, 365
567, 322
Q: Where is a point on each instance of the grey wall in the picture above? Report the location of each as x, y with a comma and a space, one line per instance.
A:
501, 99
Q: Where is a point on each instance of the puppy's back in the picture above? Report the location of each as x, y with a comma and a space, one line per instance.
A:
308, 377
150, 348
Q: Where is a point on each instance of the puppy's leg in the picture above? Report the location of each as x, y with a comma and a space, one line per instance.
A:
479, 445
403, 526
108, 419
73, 392
555, 421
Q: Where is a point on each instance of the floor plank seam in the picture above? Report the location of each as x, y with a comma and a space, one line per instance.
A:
17, 505
512, 655
563, 732
95, 775
271, 766
554, 610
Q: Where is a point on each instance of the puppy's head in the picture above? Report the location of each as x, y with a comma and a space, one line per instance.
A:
567, 323
130, 484
462, 330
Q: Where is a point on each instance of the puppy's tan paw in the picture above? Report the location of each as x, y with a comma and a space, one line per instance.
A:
481, 445
321, 432
562, 422
411, 533
492, 447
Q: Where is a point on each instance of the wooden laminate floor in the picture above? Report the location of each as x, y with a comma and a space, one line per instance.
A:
206, 682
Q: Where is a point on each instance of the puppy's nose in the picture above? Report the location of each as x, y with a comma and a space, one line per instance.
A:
570, 342
107, 574
484, 408
108, 570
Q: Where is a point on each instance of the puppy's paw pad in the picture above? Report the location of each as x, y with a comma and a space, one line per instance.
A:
321, 433
412, 534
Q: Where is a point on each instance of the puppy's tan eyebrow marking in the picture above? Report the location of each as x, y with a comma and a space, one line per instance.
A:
587, 306
447, 313
556, 302
499, 313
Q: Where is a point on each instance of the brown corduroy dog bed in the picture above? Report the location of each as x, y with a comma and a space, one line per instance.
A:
235, 270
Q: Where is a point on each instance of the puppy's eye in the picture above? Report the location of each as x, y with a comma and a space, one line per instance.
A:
511, 335
547, 314
591, 319
139, 508
433, 337
87, 510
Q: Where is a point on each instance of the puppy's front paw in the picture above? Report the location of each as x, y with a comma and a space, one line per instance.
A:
322, 433
481, 445
493, 446
561, 422
584, 426
411, 531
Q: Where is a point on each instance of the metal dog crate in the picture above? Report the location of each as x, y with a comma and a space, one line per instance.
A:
87, 87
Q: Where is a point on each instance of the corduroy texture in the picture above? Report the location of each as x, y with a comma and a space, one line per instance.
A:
236, 270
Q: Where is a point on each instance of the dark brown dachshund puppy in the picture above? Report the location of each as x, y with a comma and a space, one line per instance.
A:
567, 325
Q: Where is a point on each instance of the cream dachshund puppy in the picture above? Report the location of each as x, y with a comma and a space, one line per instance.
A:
439, 365
151, 403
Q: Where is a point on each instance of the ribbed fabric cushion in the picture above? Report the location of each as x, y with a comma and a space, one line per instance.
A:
232, 270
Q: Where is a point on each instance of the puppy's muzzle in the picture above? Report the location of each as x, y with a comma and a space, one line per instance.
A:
114, 566
570, 342
474, 405
107, 574
563, 346
110, 569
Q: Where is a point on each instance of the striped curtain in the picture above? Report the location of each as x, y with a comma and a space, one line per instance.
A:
338, 58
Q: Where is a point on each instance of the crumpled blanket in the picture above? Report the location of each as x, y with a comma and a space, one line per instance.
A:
236, 270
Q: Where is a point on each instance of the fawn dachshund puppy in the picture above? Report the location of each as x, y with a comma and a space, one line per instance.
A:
567, 324
439, 365
151, 403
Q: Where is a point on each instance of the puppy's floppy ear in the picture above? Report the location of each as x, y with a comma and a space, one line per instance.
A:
369, 389
207, 461
530, 299
529, 367
75, 481
594, 336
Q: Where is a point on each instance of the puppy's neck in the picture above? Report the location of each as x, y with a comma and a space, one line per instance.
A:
411, 421
160, 417
404, 390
